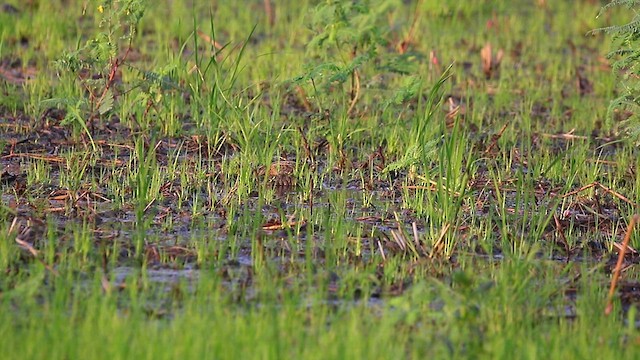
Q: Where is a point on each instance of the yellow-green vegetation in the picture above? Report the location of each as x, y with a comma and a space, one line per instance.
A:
315, 179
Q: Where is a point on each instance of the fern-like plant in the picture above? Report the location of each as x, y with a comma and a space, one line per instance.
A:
349, 34
626, 55
95, 65
94, 68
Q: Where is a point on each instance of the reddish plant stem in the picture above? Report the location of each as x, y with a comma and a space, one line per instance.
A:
618, 268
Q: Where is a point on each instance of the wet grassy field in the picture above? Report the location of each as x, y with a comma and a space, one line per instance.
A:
300, 179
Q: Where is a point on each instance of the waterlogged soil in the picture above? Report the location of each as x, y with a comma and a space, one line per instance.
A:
45, 211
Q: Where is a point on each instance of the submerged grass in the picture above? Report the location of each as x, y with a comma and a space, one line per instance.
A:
313, 181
